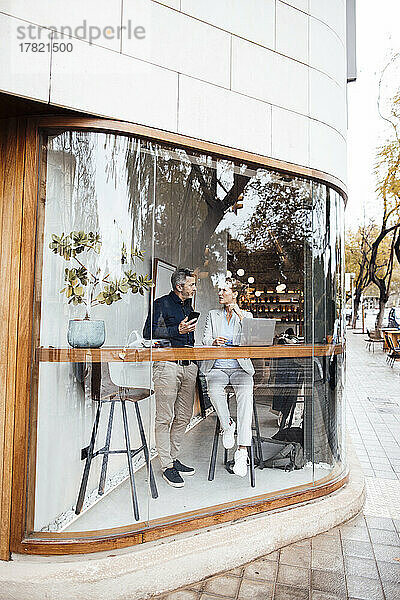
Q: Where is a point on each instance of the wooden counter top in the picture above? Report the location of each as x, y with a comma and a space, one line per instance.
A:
110, 354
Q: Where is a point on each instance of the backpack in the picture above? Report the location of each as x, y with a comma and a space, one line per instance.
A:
290, 434
282, 455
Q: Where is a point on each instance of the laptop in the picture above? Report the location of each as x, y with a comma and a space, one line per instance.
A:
257, 332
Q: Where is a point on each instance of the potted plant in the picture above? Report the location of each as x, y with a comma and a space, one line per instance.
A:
86, 285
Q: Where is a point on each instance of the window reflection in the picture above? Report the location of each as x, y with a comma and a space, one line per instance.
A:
219, 385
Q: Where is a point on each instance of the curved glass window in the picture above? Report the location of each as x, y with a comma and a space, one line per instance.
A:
155, 401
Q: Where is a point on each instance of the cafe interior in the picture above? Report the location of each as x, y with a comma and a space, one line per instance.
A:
118, 215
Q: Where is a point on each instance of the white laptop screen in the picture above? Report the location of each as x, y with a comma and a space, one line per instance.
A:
257, 332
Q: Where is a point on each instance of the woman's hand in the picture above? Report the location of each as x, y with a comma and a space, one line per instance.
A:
235, 308
219, 341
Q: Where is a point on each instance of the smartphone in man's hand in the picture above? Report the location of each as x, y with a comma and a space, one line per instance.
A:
193, 315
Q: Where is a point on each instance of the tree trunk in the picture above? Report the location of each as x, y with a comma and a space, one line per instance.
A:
397, 248
383, 298
383, 283
379, 316
357, 300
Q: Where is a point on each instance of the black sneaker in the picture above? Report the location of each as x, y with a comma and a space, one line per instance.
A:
183, 468
172, 477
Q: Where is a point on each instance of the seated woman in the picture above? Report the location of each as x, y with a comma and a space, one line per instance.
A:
223, 327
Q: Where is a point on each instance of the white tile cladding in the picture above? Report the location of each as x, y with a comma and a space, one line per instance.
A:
263, 76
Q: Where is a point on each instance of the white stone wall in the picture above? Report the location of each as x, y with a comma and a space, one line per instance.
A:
266, 76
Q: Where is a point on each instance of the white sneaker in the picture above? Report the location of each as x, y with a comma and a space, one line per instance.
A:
228, 435
240, 466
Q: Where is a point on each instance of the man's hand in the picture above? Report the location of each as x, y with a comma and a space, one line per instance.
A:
186, 326
219, 341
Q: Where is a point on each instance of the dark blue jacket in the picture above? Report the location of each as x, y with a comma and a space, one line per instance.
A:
168, 312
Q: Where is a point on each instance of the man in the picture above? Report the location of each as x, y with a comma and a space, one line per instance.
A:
174, 381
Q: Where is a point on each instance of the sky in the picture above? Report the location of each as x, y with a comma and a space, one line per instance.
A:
378, 40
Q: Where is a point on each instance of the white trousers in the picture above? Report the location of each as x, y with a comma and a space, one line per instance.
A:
242, 383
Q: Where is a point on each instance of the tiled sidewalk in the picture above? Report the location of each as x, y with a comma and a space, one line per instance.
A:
360, 559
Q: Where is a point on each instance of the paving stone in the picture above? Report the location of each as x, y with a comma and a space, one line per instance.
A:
296, 556
183, 595
353, 548
382, 467
386, 474
364, 567
391, 590
358, 534
363, 588
389, 571
380, 536
293, 576
286, 592
380, 523
318, 595
255, 590
327, 543
328, 581
325, 561
206, 596
224, 585
261, 569
386, 553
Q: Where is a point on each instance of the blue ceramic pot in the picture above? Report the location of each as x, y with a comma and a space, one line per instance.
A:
84, 333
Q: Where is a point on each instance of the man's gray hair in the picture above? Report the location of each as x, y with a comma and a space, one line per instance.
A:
178, 277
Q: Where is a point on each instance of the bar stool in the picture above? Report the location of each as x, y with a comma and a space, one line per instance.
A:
250, 450
123, 382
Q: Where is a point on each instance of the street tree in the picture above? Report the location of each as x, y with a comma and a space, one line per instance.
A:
357, 257
388, 189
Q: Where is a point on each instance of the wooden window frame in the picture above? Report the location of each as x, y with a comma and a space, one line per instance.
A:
23, 188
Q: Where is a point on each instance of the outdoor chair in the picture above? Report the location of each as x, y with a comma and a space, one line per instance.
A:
122, 382
374, 337
226, 462
394, 352
385, 341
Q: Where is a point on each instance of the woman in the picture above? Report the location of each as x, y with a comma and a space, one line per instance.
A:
223, 327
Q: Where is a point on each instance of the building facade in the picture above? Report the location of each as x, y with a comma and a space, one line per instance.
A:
139, 137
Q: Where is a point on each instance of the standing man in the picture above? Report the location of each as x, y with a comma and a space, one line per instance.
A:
174, 381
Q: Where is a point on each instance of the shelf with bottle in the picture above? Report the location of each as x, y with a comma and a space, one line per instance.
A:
281, 301
272, 308
281, 298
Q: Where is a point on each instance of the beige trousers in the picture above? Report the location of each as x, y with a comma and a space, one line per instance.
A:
174, 387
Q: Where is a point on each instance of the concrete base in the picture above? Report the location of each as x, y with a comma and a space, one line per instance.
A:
149, 569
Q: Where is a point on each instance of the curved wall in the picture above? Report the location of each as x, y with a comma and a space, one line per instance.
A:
263, 75
318, 223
